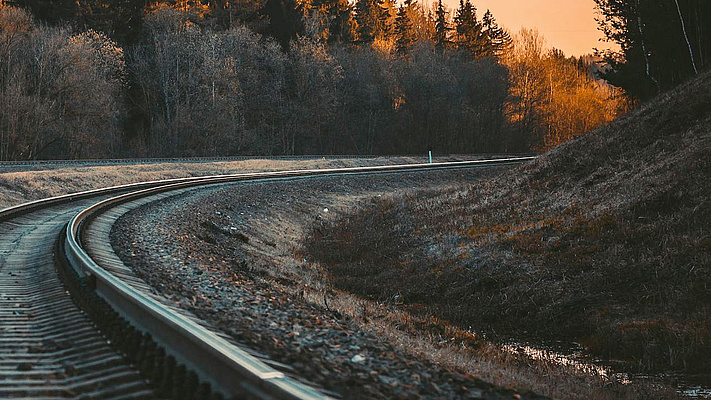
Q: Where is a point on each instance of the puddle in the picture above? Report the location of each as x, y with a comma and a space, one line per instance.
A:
573, 355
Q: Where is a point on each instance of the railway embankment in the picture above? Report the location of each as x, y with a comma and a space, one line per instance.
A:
235, 257
603, 241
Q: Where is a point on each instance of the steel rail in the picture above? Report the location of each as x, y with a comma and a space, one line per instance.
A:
211, 357
49, 348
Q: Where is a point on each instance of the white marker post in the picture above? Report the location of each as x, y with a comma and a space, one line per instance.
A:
430, 156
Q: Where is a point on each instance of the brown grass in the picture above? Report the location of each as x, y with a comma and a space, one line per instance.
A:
604, 241
275, 218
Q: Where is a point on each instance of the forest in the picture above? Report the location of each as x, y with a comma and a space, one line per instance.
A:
125, 78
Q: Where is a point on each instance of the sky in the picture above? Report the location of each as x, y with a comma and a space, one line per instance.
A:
568, 25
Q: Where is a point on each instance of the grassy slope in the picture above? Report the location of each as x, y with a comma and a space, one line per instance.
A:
605, 240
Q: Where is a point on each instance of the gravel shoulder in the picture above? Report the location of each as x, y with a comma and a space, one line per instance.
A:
231, 256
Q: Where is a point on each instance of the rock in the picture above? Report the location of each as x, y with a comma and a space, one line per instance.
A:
475, 394
388, 380
358, 358
241, 290
207, 238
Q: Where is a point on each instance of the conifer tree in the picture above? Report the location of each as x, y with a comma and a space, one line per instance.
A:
121, 19
403, 29
497, 40
661, 42
285, 20
51, 11
364, 29
384, 28
338, 19
441, 34
467, 28
341, 27
371, 17
463, 21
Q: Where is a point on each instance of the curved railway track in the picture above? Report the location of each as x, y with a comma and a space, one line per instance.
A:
48, 347
125, 161
124, 342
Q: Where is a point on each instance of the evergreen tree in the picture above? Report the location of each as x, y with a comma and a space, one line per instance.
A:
497, 40
224, 14
469, 33
403, 29
662, 42
120, 19
51, 11
335, 17
363, 16
371, 17
464, 21
341, 27
384, 28
441, 34
285, 20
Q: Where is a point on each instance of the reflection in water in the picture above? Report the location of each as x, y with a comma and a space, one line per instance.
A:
573, 356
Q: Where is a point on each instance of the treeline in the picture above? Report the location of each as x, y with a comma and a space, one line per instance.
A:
662, 42
321, 77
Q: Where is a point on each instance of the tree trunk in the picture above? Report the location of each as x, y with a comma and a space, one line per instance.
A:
688, 44
641, 39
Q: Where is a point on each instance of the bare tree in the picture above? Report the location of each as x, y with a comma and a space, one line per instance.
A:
219, 92
313, 98
529, 88
60, 92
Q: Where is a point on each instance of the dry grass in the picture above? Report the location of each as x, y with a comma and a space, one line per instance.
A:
275, 230
604, 241
454, 348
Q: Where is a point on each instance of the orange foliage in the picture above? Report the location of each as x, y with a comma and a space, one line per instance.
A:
195, 8
554, 98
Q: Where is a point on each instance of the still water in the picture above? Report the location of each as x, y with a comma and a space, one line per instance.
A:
573, 355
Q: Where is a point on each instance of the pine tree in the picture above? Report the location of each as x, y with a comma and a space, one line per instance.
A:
371, 17
403, 30
463, 21
469, 34
661, 42
338, 19
441, 34
285, 20
364, 29
341, 28
51, 11
384, 28
497, 40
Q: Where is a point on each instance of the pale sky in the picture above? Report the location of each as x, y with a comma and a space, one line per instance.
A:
568, 25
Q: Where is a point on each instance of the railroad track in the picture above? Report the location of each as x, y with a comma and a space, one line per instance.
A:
108, 336
45, 164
